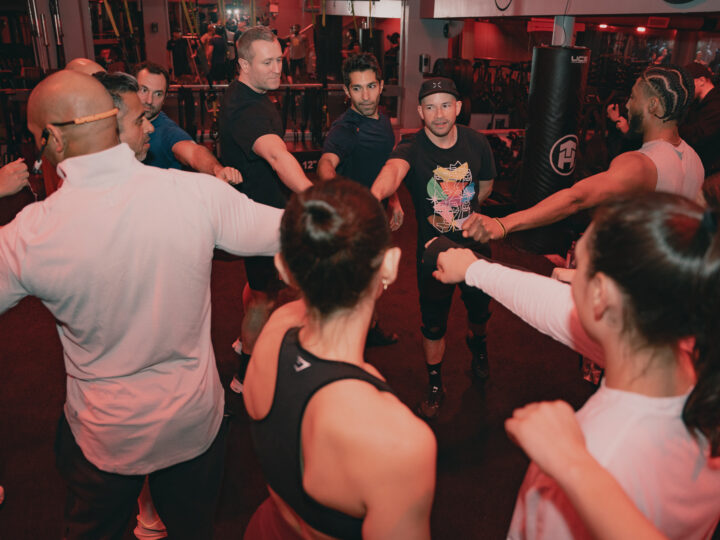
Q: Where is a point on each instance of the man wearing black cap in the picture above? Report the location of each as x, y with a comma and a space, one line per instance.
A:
701, 128
449, 171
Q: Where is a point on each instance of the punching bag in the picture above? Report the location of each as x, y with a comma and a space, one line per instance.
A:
557, 87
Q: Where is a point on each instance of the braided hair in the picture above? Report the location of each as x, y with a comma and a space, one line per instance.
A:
673, 86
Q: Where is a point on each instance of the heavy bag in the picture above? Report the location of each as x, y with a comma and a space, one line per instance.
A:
557, 87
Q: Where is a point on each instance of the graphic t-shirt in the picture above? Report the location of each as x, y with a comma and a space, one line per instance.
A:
363, 145
443, 181
245, 116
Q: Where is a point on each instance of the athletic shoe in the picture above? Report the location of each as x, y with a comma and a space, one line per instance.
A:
479, 363
152, 531
377, 337
429, 407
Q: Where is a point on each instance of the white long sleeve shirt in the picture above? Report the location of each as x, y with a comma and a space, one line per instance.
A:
544, 303
121, 256
641, 440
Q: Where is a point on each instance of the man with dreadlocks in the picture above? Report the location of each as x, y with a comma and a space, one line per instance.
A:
665, 162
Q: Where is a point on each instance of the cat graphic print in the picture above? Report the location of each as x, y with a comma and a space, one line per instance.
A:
450, 191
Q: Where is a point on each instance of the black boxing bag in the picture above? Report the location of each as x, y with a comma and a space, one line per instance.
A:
557, 87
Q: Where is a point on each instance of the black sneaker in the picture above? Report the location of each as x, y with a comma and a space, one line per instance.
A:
377, 337
429, 407
479, 363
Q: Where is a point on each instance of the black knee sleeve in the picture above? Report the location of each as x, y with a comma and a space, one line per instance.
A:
433, 333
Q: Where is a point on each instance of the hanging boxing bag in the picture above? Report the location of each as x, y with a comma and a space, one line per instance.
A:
557, 87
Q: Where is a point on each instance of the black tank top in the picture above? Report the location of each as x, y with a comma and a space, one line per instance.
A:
277, 437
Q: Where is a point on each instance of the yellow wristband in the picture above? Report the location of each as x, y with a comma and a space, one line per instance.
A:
504, 230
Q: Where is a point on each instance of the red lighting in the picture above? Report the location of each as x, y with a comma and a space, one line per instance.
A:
603, 26
641, 29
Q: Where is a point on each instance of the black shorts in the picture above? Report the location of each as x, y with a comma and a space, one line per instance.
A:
436, 298
262, 275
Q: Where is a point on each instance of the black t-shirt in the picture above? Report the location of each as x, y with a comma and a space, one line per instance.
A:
244, 117
701, 130
219, 51
363, 145
179, 50
443, 182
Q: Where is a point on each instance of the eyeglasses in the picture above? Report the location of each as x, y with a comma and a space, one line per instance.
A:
45, 135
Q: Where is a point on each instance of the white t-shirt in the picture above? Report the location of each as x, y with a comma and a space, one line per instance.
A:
679, 168
644, 444
121, 256
641, 440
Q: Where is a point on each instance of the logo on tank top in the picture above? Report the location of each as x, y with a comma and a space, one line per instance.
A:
301, 364
562, 155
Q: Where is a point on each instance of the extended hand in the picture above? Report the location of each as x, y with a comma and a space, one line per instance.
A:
396, 214
229, 175
453, 264
482, 228
563, 274
550, 435
13, 177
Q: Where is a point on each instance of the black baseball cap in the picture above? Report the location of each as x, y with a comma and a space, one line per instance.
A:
437, 85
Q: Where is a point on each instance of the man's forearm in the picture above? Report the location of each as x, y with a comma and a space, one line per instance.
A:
200, 159
386, 183
290, 172
557, 206
325, 170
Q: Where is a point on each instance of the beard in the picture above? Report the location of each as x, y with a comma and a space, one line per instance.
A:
366, 109
635, 122
152, 112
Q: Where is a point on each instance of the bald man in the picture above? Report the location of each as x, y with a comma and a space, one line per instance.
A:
121, 257
50, 177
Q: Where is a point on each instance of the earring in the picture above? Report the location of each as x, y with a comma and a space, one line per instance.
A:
385, 284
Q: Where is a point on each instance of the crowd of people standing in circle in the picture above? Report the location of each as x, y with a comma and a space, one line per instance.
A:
121, 255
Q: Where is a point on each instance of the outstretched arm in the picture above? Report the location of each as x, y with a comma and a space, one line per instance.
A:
272, 149
550, 435
544, 303
629, 173
199, 158
327, 166
390, 177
